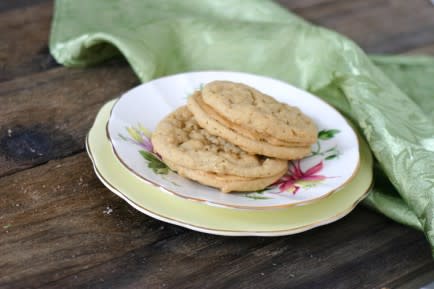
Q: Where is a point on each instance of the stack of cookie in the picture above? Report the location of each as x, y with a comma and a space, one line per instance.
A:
233, 137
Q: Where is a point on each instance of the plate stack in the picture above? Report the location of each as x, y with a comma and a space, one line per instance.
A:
319, 189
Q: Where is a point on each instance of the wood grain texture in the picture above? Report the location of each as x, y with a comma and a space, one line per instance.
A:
24, 39
60, 228
18, 4
47, 115
422, 50
416, 279
58, 220
378, 26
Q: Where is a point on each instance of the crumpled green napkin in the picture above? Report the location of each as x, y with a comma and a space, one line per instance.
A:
390, 98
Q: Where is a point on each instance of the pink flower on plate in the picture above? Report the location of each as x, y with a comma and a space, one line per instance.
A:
296, 178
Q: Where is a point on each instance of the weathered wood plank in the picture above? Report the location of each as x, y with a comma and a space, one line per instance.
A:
58, 219
378, 26
418, 279
58, 232
424, 50
24, 40
303, 4
6, 5
324, 259
58, 225
47, 115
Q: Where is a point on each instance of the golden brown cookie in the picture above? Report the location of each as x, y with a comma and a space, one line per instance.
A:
259, 116
226, 183
179, 139
207, 119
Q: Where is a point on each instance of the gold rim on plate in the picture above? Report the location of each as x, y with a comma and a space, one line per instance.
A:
221, 232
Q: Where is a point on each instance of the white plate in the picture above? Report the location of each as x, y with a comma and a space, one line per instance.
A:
334, 160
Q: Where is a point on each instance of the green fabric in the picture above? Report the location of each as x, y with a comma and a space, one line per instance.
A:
391, 99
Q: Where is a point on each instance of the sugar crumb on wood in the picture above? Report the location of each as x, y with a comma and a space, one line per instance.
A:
107, 211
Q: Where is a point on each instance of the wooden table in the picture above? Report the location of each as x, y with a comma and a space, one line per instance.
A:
61, 228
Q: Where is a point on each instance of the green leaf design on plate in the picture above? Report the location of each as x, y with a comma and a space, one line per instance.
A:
256, 197
327, 134
331, 153
155, 163
122, 137
261, 191
330, 157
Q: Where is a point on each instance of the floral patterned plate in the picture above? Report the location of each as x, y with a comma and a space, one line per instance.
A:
198, 216
333, 162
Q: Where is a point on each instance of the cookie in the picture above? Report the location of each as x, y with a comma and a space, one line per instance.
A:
260, 116
214, 127
226, 183
179, 139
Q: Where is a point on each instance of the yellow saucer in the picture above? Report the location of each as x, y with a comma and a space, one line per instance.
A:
201, 217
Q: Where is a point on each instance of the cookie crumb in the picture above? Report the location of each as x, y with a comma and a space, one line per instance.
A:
108, 211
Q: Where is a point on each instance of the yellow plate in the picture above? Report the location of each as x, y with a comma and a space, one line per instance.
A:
214, 220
